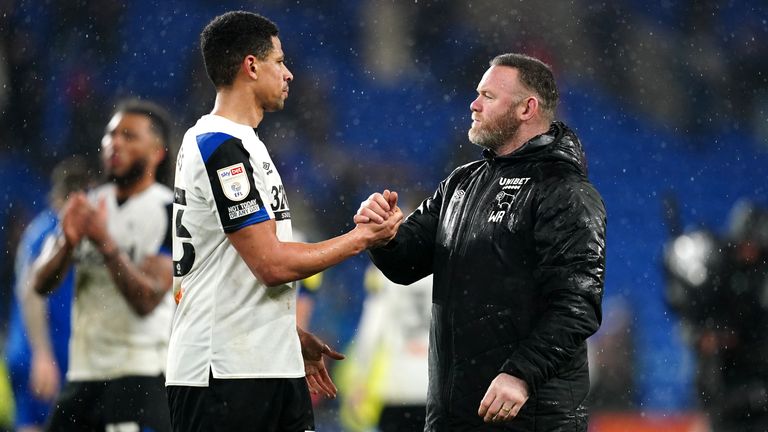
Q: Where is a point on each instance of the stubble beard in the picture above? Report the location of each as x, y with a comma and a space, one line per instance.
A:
494, 134
277, 106
130, 177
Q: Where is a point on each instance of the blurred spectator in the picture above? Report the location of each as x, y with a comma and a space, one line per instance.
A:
611, 359
39, 329
21, 195
718, 286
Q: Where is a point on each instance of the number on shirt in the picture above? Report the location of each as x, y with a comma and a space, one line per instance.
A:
184, 265
278, 198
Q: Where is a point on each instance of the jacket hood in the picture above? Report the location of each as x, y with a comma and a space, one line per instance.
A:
558, 143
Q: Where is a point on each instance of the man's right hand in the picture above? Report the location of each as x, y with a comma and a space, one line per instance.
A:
377, 235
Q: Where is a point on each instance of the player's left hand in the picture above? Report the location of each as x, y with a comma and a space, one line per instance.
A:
503, 399
312, 350
44, 379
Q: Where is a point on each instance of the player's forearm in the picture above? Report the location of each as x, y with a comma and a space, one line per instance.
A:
35, 316
51, 266
288, 261
142, 292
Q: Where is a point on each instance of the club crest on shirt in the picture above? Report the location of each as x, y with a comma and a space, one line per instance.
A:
505, 197
234, 182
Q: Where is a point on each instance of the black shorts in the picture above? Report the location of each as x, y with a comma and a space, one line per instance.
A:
234, 405
134, 403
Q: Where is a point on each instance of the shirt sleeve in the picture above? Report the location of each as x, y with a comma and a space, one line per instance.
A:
237, 199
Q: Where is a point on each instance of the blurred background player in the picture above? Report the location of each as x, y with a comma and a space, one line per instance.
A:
118, 238
38, 333
385, 377
719, 286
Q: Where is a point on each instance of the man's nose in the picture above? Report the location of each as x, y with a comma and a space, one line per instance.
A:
107, 143
475, 105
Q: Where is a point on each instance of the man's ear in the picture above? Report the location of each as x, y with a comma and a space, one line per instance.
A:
251, 66
530, 108
160, 153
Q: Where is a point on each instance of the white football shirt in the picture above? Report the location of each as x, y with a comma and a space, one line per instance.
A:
109, 339
227, 321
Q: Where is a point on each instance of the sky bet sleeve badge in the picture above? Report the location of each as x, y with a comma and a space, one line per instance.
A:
234, 182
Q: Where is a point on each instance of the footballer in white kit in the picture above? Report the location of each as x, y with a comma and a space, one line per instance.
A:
118, 238
228, 323
236, 359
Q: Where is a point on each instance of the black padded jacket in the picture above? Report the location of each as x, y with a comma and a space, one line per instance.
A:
517, 247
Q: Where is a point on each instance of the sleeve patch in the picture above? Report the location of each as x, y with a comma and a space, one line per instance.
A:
238, 200
243, 209
234, 182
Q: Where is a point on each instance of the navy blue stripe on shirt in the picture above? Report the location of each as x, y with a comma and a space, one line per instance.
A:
209, 142
259, 216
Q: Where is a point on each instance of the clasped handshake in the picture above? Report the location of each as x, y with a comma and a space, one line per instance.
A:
379, 218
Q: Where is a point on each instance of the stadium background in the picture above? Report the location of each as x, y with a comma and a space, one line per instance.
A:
670, 99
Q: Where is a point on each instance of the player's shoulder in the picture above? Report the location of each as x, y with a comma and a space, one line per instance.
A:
211, 131
156, 196
161, 193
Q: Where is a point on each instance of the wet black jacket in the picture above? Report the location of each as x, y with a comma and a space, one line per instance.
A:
517, 247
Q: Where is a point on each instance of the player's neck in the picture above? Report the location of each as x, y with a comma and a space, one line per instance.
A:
124, 192
238, 107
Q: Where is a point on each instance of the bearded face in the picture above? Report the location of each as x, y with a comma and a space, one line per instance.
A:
493, 132
128, 149
136, 170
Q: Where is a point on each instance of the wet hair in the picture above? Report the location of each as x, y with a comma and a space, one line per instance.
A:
228, 38
160, 125
536, 75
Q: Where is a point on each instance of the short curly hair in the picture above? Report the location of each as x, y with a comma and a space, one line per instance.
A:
228, 38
